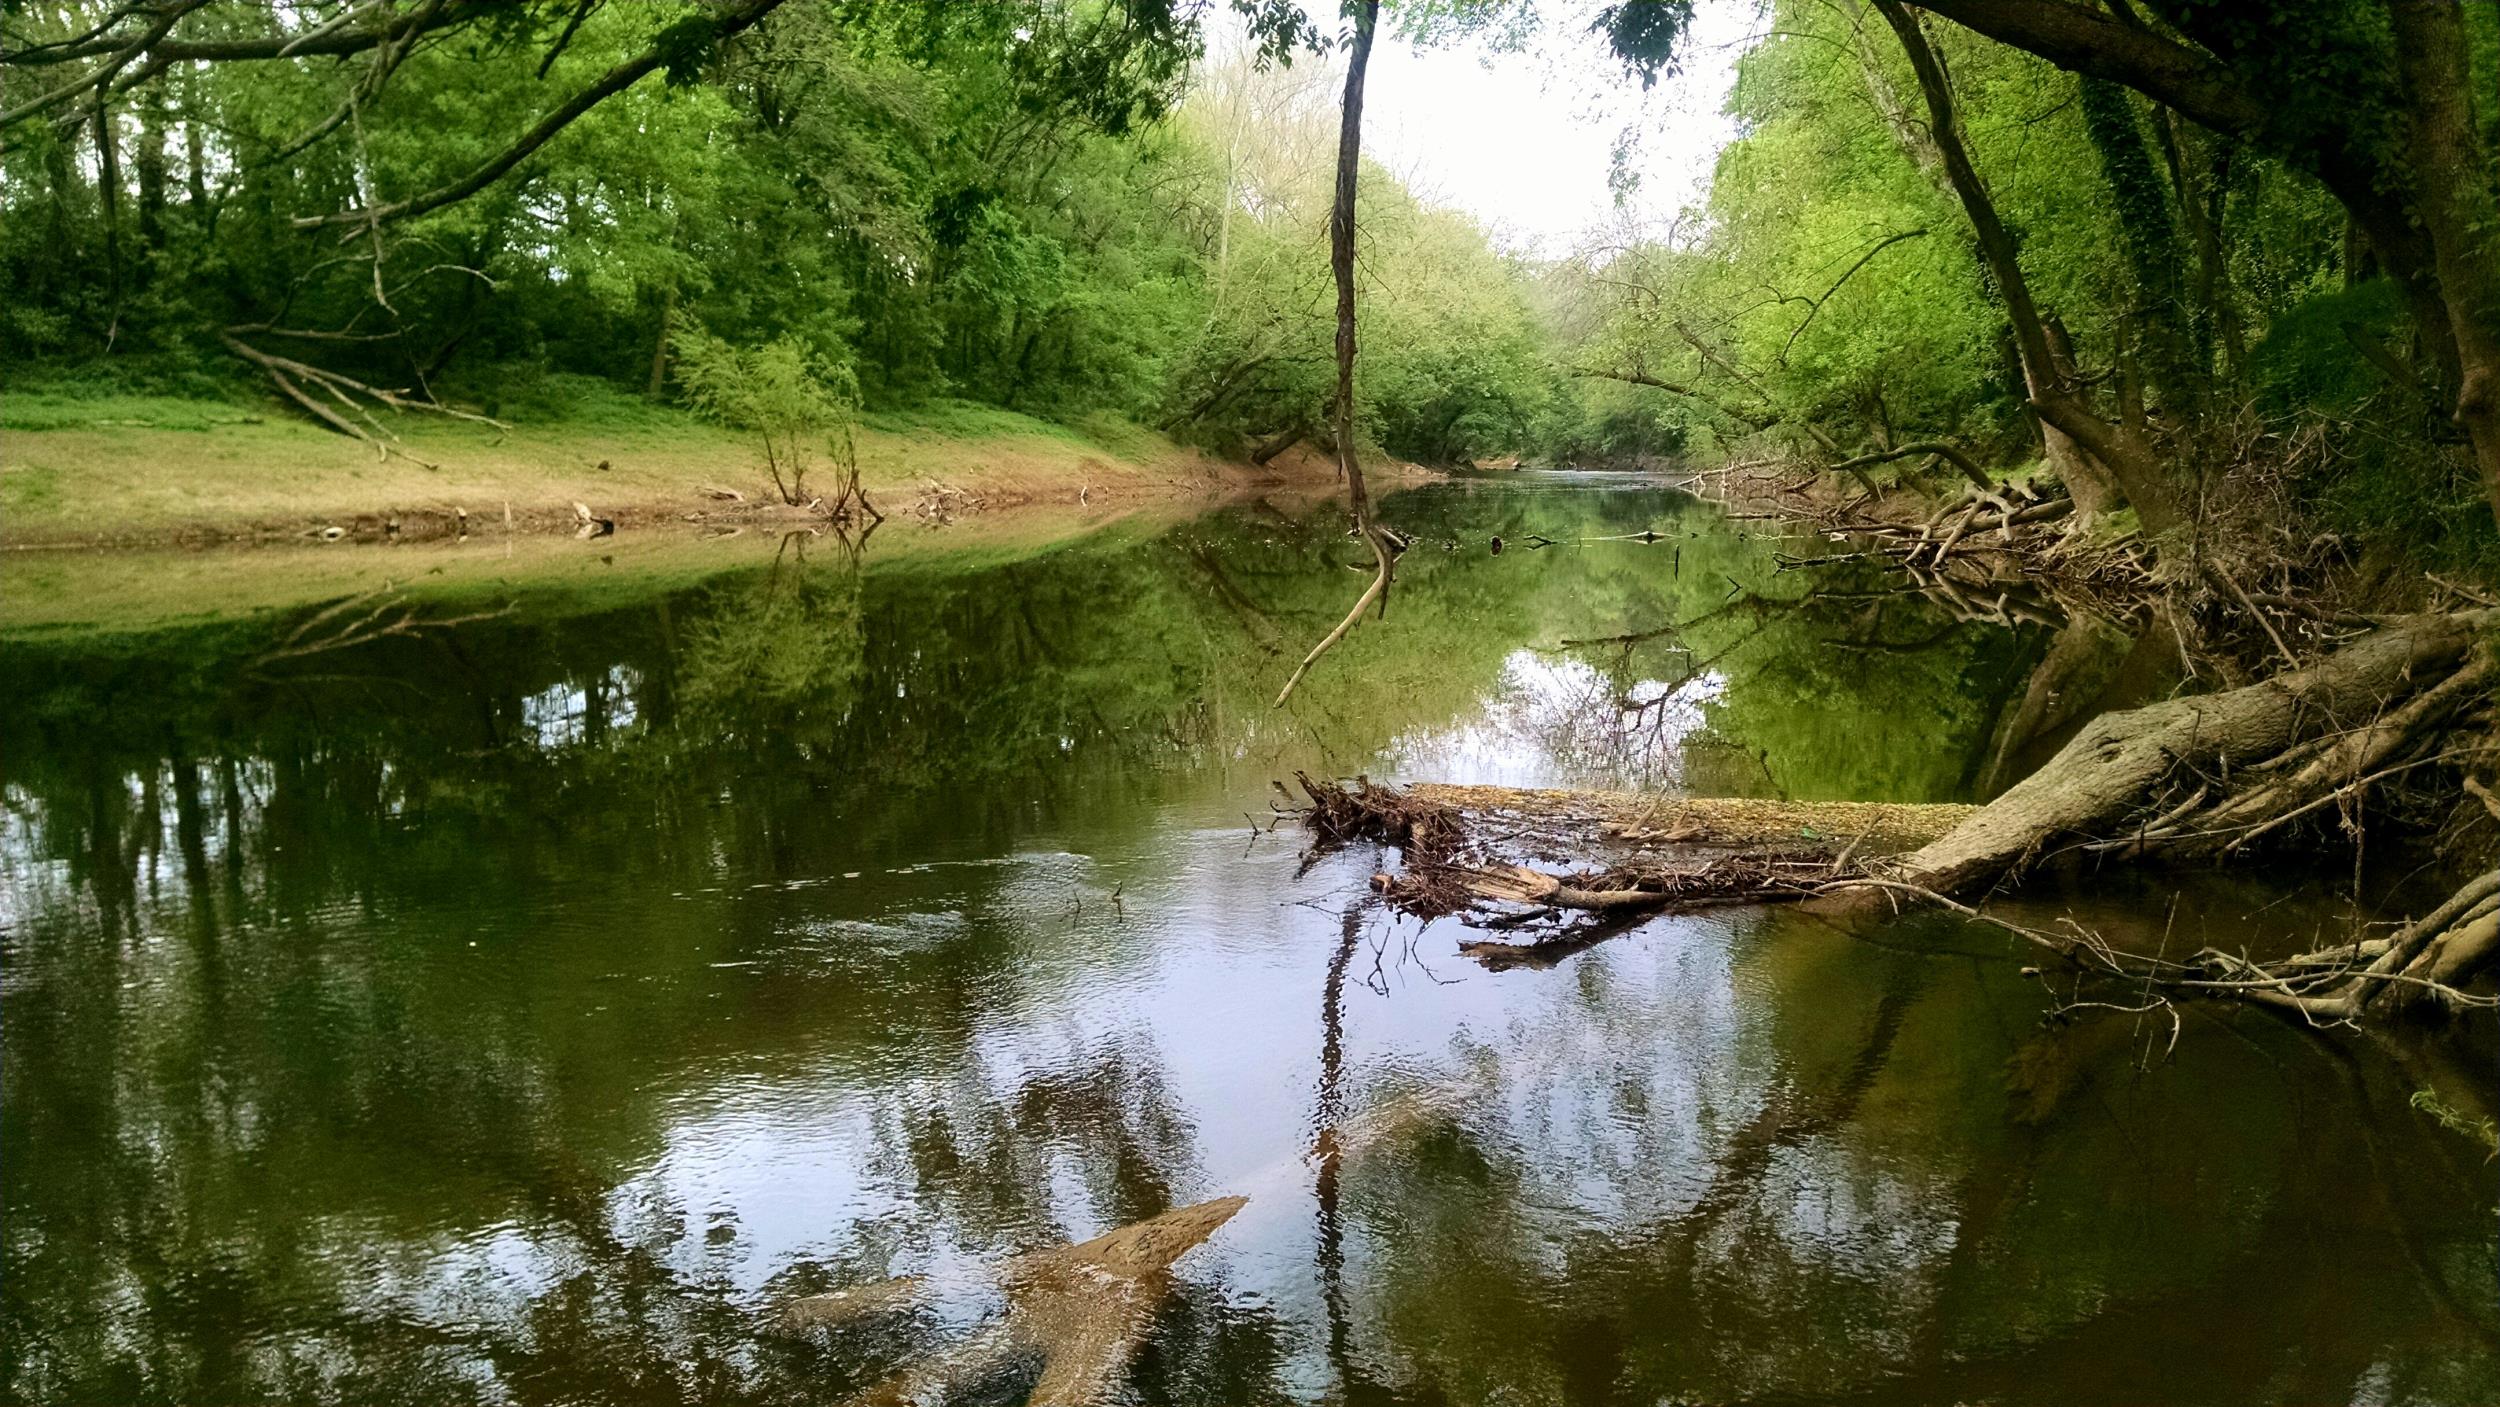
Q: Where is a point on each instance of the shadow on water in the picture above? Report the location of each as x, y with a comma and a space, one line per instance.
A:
529, 1008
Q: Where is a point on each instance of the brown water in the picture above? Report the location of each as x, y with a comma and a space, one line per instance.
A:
527, 1011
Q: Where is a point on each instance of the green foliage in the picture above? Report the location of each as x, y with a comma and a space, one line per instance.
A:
2380, 464
1597, 424
1454, 363
2483, 1132
2307, 360
786, 397
1644, 34
1006, 204
1830, 295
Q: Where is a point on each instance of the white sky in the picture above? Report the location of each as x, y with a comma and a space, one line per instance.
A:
1524, 141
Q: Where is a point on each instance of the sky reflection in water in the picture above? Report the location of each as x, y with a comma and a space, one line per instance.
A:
523, 1015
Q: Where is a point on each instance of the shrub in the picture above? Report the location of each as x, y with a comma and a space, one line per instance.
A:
777, 391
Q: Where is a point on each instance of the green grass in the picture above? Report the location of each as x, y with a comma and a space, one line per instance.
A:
560, 399
971, 420
53, 410
141, 456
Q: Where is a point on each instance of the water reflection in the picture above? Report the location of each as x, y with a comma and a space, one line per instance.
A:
527, 1010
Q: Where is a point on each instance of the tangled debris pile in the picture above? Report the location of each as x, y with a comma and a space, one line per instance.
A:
1462, 846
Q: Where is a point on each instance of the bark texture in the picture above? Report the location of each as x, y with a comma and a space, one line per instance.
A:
2121, 450
2453, 193
2113, 767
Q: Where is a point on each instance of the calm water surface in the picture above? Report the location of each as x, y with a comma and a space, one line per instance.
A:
524, 1011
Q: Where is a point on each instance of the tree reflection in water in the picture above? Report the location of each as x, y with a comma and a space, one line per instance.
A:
525, 1012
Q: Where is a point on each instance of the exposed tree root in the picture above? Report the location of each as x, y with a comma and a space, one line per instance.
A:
2008, 555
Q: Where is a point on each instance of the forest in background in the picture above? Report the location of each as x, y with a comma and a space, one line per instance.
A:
1066, 209
1073, 209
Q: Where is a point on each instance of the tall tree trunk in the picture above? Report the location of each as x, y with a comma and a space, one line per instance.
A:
1341, 255
149, 163
2122, 449
2204, 185
195, 158
2452, 194
109, 188
2150, 238
1366, 15
659, 344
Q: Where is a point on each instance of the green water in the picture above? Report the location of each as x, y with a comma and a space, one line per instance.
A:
522, 1011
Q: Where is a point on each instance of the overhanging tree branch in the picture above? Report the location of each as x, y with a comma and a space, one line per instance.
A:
163, 50
2090, 41
105, 72
1759, 417
1816, 305
1949, 452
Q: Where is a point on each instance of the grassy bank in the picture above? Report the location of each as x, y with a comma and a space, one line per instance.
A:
82, 467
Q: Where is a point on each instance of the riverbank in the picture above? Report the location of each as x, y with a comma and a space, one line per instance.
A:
156, 472
133, 514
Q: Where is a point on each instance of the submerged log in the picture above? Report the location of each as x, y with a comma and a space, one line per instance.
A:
1083, 1308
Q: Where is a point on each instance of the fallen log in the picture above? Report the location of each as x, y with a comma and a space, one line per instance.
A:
1637, 817
1082, 1309
2119, 765
2263, 756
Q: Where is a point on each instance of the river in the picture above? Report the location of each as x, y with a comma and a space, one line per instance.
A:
526, 1008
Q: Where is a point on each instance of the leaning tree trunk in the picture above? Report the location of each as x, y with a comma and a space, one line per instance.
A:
2117, 767
2122, 449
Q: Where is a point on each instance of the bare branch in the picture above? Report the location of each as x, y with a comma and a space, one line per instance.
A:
1815, 305
1949, 452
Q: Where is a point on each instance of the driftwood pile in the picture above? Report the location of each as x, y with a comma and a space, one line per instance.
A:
2009, 555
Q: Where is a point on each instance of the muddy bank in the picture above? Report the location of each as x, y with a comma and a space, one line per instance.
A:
127, 589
